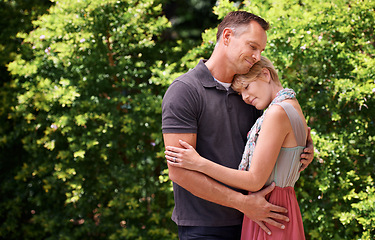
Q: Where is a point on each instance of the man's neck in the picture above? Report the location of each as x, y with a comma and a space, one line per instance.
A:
219, 69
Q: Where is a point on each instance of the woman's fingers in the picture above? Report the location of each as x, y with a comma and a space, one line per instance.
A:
171, 154
185, 144
174, 149
174, 161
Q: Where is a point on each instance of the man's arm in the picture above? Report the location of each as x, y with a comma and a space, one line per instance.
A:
254, 205
308, 153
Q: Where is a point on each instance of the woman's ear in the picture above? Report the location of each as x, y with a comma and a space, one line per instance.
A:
266, 74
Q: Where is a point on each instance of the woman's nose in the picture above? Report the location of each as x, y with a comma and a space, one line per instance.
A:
244, 96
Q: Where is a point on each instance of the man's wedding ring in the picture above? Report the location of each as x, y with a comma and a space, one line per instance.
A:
174, 159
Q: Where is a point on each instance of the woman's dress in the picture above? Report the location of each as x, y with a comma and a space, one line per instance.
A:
285, 174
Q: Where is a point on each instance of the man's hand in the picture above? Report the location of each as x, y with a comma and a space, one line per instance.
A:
308, 153
260, 211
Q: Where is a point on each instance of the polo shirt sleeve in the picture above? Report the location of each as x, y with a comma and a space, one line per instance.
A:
179, 109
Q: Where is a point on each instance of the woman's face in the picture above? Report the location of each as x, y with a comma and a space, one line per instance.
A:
257, 93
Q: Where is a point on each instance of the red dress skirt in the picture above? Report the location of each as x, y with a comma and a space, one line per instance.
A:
284, 197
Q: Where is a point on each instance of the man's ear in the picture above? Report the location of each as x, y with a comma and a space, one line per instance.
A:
226, 37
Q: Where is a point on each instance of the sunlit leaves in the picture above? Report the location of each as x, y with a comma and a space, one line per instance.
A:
91, 118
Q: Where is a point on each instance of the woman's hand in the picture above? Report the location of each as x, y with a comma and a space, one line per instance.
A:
185, 157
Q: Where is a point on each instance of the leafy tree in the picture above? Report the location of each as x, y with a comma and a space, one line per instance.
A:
16, 16
89, 108
91, 122
190, 17
324, 51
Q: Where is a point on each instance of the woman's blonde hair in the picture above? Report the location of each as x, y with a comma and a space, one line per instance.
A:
241, 80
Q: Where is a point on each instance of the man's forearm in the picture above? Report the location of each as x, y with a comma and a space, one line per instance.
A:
205, 187
197, 183
253, 205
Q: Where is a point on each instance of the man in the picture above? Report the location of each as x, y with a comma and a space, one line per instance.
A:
200, 108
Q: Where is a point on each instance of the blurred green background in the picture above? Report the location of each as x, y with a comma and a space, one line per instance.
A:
80, 115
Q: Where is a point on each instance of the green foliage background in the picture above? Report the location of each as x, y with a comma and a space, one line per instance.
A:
80, 135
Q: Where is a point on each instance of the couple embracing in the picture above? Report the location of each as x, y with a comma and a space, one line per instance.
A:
236, 141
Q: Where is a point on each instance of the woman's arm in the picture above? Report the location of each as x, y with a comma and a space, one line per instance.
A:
254, 206
275, 128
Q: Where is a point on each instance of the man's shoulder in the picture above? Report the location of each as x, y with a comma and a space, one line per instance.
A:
197, 75
188, 85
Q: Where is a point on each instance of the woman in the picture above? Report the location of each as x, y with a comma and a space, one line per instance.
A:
272, 152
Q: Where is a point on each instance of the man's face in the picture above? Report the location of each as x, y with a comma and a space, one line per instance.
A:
244, 49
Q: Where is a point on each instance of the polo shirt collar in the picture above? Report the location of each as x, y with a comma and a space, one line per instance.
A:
207, 79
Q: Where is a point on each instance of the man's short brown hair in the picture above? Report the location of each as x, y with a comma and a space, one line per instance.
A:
238, 19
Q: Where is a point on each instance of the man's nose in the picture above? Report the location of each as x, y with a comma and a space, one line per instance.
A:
256, 56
